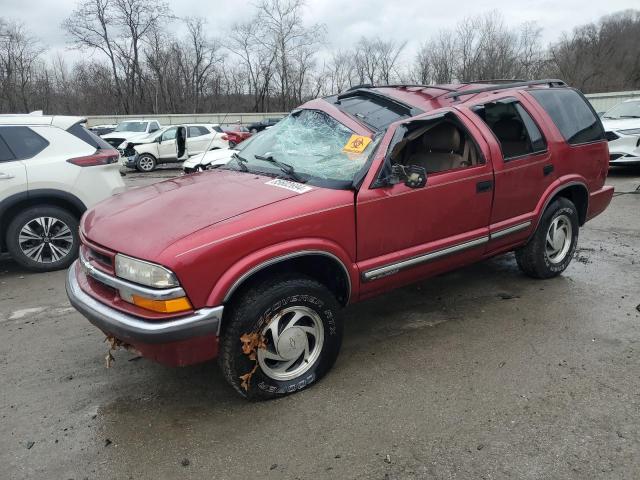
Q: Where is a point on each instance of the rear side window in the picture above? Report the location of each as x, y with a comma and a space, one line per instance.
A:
514, 128
87, 136
5, 153
218, 129
571, 113
197, 131
23, 142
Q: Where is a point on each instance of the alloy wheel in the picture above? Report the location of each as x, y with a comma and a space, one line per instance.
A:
146, 164
45, 239
558, 239
294, 338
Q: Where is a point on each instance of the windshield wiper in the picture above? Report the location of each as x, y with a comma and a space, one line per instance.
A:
285, 167
242, 162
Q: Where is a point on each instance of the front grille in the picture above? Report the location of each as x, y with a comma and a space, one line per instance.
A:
610, 136
114, 142
100, 258
129, 151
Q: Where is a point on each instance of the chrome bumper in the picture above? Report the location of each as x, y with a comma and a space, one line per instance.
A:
132, 329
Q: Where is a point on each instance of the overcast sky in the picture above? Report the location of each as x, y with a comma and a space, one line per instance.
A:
346, 20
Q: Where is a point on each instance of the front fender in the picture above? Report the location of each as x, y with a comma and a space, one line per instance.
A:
244, 268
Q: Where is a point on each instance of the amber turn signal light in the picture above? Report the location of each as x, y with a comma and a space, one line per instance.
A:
163, 306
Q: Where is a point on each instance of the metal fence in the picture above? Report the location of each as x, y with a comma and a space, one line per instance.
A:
604, 101
601, 102
177, 119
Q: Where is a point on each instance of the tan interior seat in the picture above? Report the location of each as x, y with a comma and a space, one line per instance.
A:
440, 149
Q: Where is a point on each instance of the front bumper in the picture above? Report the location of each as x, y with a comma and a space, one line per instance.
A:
128, 161
624, 150
134, 330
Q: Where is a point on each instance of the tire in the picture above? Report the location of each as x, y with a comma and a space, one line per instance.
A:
43, 238
253, 363
541, 257
146, 163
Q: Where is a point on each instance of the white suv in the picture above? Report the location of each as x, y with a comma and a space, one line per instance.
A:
129, 130
145, 153
51, 171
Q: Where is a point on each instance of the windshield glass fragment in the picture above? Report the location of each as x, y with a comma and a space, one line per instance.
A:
315, 144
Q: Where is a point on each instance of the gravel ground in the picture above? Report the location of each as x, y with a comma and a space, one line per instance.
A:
480, 373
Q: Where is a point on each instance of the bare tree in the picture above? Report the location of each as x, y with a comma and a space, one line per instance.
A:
19, 58
118, 29
288, 38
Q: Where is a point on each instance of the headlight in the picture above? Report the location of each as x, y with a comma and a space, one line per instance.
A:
631, 131
123, 145
144, 273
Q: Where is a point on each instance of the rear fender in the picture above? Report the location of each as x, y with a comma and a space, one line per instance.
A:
553, 190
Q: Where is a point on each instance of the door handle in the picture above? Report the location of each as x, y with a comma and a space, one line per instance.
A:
6, 176
484, 186
547, 169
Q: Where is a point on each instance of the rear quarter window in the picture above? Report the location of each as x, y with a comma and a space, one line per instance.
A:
571, 113
23, 142
87, 136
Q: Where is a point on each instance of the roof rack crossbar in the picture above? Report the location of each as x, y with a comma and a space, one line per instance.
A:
552, 82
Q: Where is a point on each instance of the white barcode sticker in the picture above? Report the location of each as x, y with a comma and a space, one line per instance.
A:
288, 185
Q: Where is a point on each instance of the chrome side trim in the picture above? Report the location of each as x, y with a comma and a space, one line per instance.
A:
509, 230
128, 288
394, 268
282, 258
130, 328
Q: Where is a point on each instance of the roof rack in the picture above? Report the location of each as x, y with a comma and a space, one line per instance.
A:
495, 80
400, 85
364, 91
552, 82
408, 85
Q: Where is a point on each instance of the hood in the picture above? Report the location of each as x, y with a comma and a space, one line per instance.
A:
126, 135
144, 221
620, 124
212, 157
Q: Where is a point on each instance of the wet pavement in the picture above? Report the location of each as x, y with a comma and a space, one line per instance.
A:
480, 373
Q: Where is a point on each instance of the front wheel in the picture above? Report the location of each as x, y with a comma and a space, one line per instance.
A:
146, 163
554, 242
280, 337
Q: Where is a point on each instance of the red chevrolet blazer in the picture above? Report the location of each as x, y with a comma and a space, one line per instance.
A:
348, 197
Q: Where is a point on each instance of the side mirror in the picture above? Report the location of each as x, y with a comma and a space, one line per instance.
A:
413, 176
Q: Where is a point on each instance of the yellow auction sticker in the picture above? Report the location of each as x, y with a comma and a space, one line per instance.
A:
356, 144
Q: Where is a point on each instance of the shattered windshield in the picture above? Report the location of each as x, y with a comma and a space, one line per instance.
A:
624, 110
131, 127
314, 144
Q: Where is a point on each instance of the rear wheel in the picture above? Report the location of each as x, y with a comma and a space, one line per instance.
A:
43, 238
552, 246
146, 163
280, 336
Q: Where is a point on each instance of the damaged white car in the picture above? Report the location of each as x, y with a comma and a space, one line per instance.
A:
145, 154
207, 160
129, 130
622, 127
